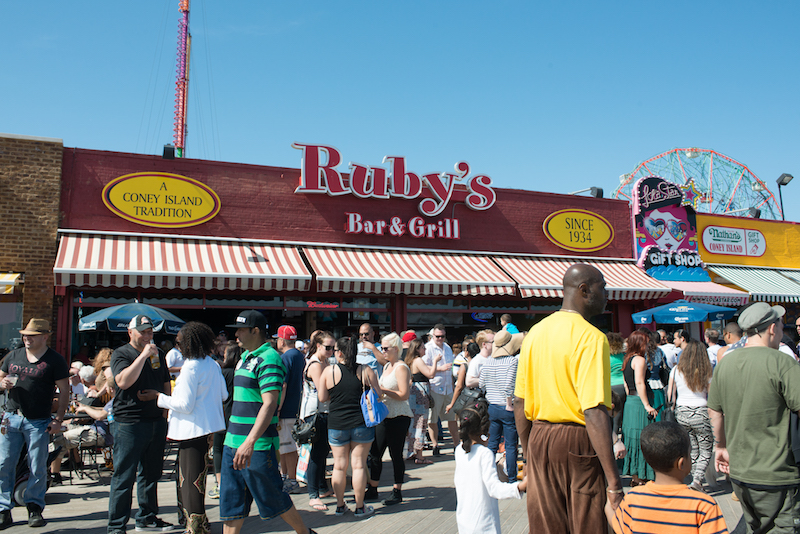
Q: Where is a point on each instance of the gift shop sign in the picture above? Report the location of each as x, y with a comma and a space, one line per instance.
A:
160, 199
318, 175
734, 241
578, 230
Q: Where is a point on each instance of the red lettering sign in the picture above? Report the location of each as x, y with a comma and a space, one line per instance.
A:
415, 227
318, 174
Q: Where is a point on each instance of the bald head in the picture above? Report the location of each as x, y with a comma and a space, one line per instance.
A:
578, 274
584, 290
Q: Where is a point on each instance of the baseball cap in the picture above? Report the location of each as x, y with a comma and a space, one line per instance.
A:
286, 332
250, 319
759, 315
140, 323
409, 336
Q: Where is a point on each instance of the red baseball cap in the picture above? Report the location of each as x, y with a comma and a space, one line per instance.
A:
286, 332
409, 336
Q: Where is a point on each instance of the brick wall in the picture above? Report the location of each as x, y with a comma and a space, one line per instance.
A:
30, 186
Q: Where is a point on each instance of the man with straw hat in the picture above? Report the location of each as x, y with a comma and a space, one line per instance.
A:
30, 376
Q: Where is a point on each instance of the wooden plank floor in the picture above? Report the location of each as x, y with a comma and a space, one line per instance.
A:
429, 507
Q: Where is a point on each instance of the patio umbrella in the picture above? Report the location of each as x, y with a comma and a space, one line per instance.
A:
682, 311
116, 319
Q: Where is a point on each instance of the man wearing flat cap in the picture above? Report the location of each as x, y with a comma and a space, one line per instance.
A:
752, 396
30, 375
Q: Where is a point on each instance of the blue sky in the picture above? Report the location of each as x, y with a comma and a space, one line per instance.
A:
549, 96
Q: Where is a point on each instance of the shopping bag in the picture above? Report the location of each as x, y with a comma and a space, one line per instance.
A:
302, 462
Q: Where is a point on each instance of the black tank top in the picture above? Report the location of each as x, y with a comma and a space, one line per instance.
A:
630, 380
345, 408
419, 377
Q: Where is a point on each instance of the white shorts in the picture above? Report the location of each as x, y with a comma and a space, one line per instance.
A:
285, 435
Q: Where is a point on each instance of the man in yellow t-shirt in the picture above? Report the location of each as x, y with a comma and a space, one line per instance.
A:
563, 390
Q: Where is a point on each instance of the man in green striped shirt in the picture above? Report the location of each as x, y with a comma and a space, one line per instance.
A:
249, 458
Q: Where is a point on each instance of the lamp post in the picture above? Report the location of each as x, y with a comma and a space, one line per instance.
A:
783, 179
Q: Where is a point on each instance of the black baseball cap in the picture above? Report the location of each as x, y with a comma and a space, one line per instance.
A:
250, 319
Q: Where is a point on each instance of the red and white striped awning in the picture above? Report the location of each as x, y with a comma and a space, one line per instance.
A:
542, 277
388, 272
709, 293
127, 260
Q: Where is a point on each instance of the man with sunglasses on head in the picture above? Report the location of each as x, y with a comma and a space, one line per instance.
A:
369, 353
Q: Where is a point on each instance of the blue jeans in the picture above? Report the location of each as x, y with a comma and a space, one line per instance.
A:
502, 424
139, 457
34, 434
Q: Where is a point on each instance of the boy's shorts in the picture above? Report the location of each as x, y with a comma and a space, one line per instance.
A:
260, 482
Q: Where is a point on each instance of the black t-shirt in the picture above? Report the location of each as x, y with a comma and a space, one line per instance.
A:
127, 406
36, 385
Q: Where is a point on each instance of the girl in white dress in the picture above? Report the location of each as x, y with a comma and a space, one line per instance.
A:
477, 486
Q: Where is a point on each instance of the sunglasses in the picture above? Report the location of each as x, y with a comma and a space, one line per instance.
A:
439, 337
363, 334
327, 347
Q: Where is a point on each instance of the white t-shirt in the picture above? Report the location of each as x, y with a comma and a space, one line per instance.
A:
671, 353
478, 489
712, 354
687, 397
474, 370
174, 359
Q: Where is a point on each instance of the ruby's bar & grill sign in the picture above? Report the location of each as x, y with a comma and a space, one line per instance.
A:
318, 175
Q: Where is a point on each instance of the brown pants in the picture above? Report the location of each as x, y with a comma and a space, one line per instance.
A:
566, 485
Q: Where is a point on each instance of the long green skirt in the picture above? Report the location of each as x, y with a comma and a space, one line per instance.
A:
633, 421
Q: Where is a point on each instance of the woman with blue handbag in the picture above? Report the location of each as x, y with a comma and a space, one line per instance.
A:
391, 433
349, 436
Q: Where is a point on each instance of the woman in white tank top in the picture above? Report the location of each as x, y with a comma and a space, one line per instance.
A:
689, 380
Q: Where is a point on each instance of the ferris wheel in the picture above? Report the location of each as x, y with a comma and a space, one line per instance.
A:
725, 186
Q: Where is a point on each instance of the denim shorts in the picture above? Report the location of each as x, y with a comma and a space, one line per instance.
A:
260, 482
361, 434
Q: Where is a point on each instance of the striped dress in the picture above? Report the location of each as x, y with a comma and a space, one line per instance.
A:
659, 509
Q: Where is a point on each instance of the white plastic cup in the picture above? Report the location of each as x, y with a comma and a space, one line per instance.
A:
13, 379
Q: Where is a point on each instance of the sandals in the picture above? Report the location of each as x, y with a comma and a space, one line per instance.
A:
423, 461
318, 506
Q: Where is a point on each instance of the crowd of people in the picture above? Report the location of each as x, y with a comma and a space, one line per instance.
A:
584, 407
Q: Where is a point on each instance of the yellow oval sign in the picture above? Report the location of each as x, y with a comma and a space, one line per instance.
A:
578, 230
161, 199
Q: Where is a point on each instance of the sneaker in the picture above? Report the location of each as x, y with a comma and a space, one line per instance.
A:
364, 512
35, 518
213, 493
371, 494
56, 480
156, 526
340, 510
396, 498
5, 519
290, 485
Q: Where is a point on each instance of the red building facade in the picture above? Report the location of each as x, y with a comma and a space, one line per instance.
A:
316, 247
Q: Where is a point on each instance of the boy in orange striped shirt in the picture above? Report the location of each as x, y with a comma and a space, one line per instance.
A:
667, 504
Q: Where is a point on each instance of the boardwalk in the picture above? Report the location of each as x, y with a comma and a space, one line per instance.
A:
429, 507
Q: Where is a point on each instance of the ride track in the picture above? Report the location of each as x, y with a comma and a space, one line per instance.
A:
725, 186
